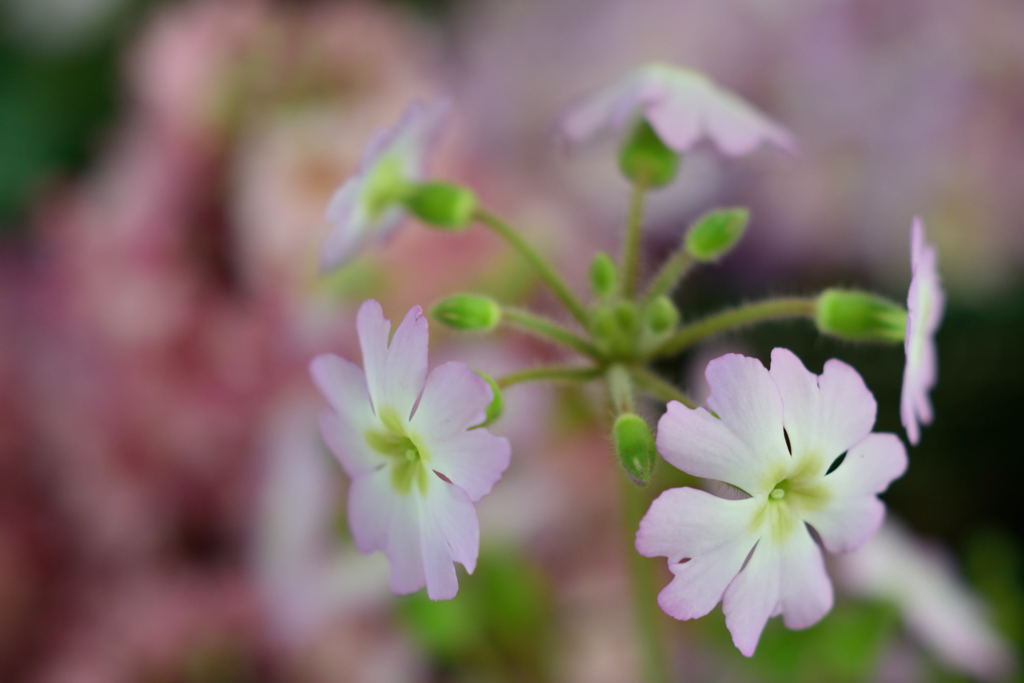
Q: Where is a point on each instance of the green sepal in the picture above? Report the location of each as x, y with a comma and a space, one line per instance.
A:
634, 447
646, 160
859, 316
661, 315
469, 312
497, 405
442, 205
715, 233
603, 275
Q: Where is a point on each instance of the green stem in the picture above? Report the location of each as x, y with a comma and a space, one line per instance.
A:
548, 329
772, 309
631, 249
656, 386
670, 273
620, 389
539, 263
555, 373
644, 590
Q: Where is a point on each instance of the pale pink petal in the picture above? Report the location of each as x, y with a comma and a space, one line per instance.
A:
404, 546
853, 513
753, 597
343, 384
702, 445
737, 128
687, 522
824, 415
372, 503
678, 125
395, 373
472, 460
347, 441
805, 586
451, 533
374, 331
349, 223
698, 585
454, 399
713, 533
744, 396
925, 305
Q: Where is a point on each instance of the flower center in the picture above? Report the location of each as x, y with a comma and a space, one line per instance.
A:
385, 185
408, 458
791, 494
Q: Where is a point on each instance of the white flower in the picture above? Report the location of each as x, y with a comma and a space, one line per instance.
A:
774, 435
925, 304
368, 205
407, 441
681, 105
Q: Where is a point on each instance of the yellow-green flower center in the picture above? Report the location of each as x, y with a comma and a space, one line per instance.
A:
408, 458
385, 186
792, 493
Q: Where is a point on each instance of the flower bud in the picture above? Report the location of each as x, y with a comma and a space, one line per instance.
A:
662, 315
497, 405
603, 275
634, 447
716, 233
644, 158
442, 205
859, 316
468, 312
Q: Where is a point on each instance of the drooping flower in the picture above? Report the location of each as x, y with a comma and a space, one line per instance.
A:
925, 304
778, 437
368, 205
681, 105
406, 440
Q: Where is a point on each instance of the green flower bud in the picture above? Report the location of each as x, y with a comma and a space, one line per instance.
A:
468, 312
497, 405
715, 233
442, 205
603, 275
645, 159
859, 316
634, 447
662, 315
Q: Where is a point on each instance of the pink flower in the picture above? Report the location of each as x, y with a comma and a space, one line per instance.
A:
681, 105
774, 435
925, 303
407, 441
368, 205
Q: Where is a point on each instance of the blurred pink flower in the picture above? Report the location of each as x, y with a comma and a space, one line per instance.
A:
405, 438
938, 607
367, 206
681, 105
774, 435
925, 304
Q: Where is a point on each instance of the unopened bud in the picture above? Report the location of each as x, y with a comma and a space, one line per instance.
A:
468, 312
645, 159
662, 315
442, 205
634, 447
603, 275
497, 404
859, 316
716, 233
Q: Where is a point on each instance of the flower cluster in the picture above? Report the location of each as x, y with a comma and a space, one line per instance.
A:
794, 451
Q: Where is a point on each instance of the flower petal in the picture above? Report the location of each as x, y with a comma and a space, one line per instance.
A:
854, 513
805, 586
347, 442
451, 533
753, 597
472, 460
748, 402
395, 373
702, 445
350, 225
372, 502
687, 522
454, 399
713, 533
824, 415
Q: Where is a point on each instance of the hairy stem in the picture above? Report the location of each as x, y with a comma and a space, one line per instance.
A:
670, 273
543, 327
631, 249
539, 263
620, 389
554, 373
650, 383
748, 314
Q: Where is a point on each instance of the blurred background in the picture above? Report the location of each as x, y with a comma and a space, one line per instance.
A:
167, 511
